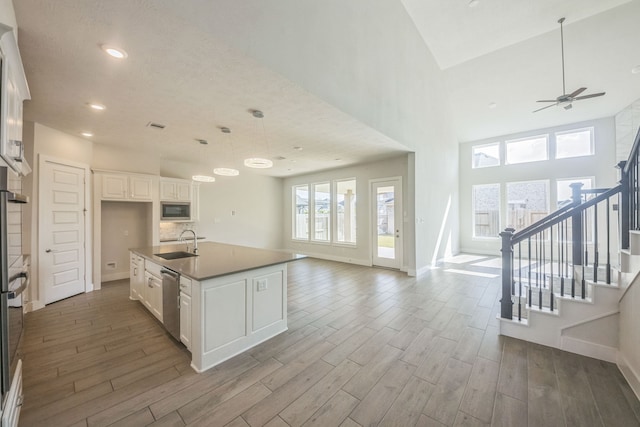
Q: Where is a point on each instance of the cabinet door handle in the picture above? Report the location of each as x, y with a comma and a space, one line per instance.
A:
135, 271
178, 302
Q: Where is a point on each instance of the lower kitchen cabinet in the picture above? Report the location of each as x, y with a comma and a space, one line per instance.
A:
185, 319
153, 294
136, 277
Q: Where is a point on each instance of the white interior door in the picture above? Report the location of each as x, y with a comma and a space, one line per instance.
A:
386, 200
62, 230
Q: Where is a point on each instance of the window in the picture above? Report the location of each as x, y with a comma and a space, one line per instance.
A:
486, 155
575, 143
301, 212
565, 193
525, 150
314, 206
322, 212
486, 210
527, 202
346, 211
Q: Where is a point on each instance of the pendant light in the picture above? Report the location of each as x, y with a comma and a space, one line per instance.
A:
259, 162
227, 171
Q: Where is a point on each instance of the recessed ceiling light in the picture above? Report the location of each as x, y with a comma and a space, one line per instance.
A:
474, 3
636, 69
96, 107
203, 178
297, 148
87, 134
113, 51
492, 105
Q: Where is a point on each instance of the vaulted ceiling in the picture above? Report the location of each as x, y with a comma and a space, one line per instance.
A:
502, 52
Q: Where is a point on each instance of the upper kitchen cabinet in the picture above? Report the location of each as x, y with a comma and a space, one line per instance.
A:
125, 186
178, 190
13, 92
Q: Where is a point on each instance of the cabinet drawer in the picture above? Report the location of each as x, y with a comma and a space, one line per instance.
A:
153, 268
185, 285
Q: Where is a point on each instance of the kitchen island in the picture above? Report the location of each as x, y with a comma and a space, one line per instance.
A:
231, 298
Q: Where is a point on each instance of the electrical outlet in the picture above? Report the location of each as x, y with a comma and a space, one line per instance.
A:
262, 285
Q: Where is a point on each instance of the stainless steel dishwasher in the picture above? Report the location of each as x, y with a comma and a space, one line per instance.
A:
171, 301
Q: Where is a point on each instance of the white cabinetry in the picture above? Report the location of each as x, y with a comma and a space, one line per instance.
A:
13, 91
136, 277
153, 300
126, 187
233, 313
13, 402
176, 190
185, 311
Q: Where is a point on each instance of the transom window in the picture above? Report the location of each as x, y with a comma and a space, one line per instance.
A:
526, 150
574, 143
486, 155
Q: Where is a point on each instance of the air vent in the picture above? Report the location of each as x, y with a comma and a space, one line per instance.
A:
155, 125
202, 141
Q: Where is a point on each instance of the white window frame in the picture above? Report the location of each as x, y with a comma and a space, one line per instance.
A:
506, 197
592, 141
312, 219
294, 221
473, 210
487, 145
527, 138
335, 213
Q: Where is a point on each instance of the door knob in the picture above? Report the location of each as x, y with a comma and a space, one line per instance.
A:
48, 251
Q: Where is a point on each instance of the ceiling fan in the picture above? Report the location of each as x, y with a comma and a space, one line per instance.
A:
566, 100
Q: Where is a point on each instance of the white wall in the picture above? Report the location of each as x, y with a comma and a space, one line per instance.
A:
124, 225
388, 79
242, 210
601, 166
627, 127
361, 252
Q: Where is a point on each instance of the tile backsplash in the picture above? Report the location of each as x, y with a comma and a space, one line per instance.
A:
172, 230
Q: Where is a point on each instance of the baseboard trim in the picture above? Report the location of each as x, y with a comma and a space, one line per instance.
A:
589, 349
366, 263
629, 374
112, 276
33, 306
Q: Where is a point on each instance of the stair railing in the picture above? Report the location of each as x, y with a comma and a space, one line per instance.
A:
560, 250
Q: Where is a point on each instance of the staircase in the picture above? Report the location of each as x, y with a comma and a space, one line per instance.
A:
566, 280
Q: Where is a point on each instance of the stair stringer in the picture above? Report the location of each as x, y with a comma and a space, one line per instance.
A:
554, 328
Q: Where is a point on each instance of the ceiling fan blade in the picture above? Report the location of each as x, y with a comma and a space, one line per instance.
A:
548, 100
577, 92
543, 108
593, 95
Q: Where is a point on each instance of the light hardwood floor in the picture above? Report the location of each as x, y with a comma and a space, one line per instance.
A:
365, 347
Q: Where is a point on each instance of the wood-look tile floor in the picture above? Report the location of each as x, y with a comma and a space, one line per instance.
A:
365, 347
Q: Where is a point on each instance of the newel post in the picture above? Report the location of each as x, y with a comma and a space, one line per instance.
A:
624, 210
576, 224
506, 303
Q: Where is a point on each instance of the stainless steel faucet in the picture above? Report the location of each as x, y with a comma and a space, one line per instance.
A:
195, 241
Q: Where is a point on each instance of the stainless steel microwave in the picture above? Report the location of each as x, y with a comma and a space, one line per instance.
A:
175, 211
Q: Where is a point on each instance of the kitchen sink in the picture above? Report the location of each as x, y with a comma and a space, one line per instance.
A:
176, 255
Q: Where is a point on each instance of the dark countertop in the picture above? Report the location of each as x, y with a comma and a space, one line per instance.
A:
216, 259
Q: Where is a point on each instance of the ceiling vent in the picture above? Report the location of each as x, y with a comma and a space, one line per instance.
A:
155, 125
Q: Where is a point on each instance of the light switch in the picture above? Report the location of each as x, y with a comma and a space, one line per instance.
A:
262, 285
